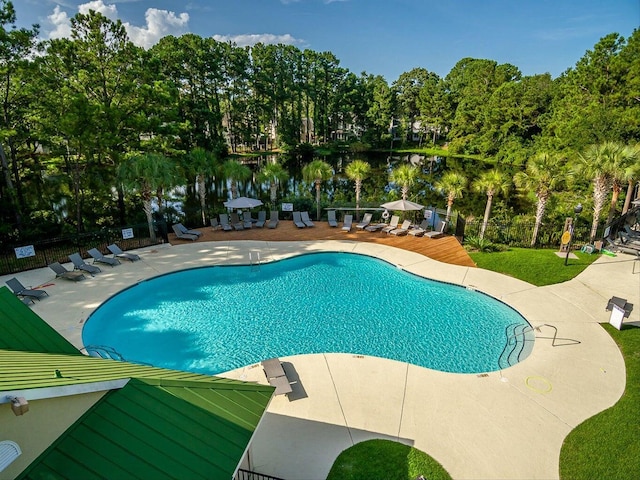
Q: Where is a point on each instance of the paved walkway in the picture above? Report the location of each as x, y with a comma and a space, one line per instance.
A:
501, 425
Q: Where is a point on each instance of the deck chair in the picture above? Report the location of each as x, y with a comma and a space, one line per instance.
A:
276, 376
183, 236
420, 230
402, 229
100, 258
438, 232
235, 222
214, 224
184, 229
80, 264
247, 221
62, 272
273, 220
262, 218
306, 220
346, 224
297, 220
393, 224
331, 218
224, 222
21, 291
117, 252
366, 220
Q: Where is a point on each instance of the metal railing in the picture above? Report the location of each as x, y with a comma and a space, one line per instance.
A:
249, 475
47, 251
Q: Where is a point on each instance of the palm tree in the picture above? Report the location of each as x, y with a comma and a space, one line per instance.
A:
202, 164
357, 171
452, 184
594, 164
236, 172
632, 175
623, 160
147, 173
542, 175
275, 174
317, 172
405, 175
491, 183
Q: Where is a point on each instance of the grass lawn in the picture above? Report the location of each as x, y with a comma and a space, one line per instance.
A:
536, 266
607, 445
384, 459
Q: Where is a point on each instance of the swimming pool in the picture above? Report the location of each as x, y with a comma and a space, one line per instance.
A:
215, 319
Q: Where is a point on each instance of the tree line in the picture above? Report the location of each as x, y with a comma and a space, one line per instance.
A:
93, 126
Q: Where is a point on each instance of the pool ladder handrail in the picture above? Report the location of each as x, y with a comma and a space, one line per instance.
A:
254, 259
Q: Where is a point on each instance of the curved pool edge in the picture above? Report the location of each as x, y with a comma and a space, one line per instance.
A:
475, 426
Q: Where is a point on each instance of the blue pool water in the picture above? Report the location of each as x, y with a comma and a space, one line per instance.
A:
214, 319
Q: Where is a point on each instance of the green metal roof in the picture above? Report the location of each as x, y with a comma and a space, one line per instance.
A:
160, 429
28, 370
22, 329
161, 424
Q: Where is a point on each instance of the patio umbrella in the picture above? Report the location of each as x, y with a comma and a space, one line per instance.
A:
403, 205
243, 202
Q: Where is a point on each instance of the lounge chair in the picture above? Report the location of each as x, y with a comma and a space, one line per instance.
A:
184, 229
393, 224
184, 236
80, 264
346, 224
273, 220
620, 303
420, 230
214, 224
247, 221
21, 291
235, 222
438, 232
402, 229
297, 220
224, 222
276, 376
331, 218
306, 220
375, 227
366, 220
262, 218
117, 252
62, 272
100, 258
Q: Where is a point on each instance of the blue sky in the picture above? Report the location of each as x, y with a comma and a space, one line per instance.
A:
380, 37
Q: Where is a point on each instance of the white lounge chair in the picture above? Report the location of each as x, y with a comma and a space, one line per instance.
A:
420, 230
402, 229
184, 236
366, 220
306, 220
393, 224
262, 218
346, 224
117, 252
438, 232
331, 218
273, 220
297, 220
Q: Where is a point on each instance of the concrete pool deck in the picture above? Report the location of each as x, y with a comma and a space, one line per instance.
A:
508, 424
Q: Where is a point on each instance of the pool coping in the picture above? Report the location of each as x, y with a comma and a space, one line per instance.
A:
504, 424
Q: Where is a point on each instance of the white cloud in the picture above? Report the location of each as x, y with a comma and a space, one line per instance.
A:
252, 39
159, 23
109, 11
60, 24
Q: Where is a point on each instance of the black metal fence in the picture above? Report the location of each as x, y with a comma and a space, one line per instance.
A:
249, 475
518, 232
58, 249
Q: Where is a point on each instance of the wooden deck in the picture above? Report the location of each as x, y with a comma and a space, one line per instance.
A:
446, 249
